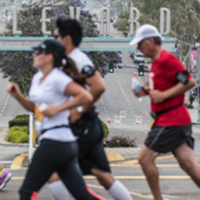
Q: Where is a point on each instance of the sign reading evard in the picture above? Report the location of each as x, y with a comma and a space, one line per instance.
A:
43, 2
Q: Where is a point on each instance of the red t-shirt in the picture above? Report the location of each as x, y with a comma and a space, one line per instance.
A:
162, 77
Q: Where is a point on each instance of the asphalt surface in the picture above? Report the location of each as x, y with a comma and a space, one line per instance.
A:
174, 182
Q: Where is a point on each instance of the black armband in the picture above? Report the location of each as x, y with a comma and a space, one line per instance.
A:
183, 77
88, 71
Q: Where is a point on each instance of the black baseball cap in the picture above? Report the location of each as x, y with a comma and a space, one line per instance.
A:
50, 46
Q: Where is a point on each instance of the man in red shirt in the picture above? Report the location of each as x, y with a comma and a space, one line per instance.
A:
171, 131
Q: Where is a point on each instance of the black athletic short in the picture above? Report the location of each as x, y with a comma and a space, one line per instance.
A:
91, 149
164, 139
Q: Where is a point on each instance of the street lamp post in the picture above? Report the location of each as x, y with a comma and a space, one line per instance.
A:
198, 67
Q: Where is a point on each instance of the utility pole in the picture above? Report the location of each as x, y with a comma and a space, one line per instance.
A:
198, 67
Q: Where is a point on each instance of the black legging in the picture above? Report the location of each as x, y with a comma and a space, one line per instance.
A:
52, 156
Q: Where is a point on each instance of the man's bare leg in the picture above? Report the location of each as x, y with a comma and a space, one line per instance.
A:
146, 159
185, 156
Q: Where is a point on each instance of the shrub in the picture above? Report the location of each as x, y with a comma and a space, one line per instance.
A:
18, 134
119, 141
105, 128
19, 122
189, 106
22, 116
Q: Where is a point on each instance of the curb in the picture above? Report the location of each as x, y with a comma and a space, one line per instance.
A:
195, 123
13, 144
22, 161
18, 161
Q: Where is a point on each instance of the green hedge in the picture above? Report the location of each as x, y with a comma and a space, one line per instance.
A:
19, 120
105, 128
18, 134
22, 116
18, 129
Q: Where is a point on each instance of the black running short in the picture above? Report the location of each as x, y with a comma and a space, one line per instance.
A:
164, 139
91, 149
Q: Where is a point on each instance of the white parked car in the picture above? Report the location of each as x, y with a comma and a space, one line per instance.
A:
139, 58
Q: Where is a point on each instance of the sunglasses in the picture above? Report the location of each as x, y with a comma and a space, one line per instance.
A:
38, 51
143, 41
56, 36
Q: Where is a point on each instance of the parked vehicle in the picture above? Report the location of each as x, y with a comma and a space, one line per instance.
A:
132, 55
139, 58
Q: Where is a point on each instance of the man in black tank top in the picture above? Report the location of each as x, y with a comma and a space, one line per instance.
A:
85, 123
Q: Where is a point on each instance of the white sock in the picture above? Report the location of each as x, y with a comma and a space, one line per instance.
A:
119, 192
58, 191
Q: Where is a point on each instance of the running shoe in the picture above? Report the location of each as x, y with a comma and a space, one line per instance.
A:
4, 178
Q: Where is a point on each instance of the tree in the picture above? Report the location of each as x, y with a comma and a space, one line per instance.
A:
18, 65
122, 23
184, 17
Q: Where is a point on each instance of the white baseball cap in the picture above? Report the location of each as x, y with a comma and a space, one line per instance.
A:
145, 31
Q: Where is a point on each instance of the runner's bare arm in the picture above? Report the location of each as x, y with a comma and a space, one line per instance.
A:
15, 92
180, 88
97, 86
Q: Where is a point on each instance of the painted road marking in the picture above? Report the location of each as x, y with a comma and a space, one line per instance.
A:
18, 161
137, 194
6, 162
124, 177
133, 162
114, 156
100, 187
132, 193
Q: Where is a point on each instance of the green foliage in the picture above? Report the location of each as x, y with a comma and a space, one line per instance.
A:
122, 23
18, 134
105, 128
119, 141
22, 116
189, 106
20, 120
185, 18
124, 15
17, 66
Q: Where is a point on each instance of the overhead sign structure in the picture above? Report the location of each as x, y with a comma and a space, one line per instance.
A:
104, 43
43, 2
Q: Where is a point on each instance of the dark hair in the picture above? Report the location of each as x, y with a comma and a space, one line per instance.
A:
157, 40
70, 69
70, 27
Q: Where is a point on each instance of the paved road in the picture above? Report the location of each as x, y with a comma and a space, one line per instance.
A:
175, 184
9, 107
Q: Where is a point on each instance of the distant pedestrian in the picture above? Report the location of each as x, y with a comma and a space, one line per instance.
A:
171, 130
192, 97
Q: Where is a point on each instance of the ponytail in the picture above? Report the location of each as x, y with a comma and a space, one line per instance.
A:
69, 67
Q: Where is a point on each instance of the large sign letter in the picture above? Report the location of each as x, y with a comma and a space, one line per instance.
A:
44, 20
165, 16
15, 31
78, 12
107, 21
134, 16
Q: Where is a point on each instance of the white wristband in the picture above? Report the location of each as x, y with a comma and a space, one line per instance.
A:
79, 109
